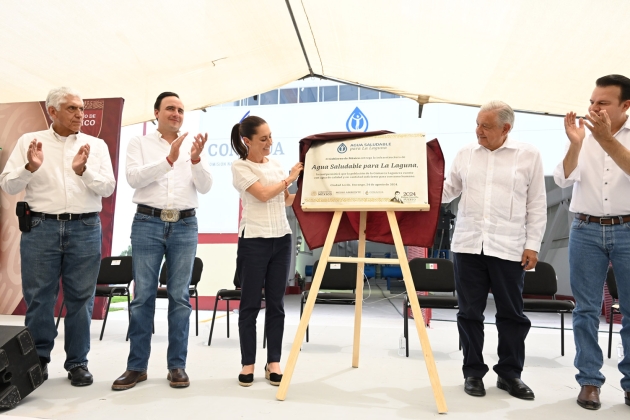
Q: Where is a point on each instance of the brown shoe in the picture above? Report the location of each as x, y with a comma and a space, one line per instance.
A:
589, 397
129, 379
178, 378
627, 395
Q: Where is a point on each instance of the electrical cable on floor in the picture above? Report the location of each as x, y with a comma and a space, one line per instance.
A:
389, 299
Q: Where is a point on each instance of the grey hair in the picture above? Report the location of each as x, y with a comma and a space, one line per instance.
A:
505, 113
58, 96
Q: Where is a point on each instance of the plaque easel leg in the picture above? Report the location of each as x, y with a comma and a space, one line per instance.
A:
358, 307
417, 315
308, 308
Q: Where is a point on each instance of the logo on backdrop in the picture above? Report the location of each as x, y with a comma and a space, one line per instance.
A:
93, 117
342, 148
357, 121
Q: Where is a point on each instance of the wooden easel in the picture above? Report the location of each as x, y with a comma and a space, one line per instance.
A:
361, 260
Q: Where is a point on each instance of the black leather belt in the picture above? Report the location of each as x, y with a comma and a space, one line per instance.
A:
64, 216
151, 211
611, 220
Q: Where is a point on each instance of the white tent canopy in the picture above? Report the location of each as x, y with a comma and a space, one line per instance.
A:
536, 55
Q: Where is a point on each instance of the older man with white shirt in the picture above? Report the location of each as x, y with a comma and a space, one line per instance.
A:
501, 220
165, 226
597, 166
65, 174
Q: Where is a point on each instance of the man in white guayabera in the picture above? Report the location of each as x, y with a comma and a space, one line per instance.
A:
500, 225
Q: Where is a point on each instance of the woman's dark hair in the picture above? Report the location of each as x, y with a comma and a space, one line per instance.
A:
246, 128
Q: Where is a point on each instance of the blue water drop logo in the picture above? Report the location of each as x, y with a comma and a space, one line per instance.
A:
244, 116
357, 121
342, 148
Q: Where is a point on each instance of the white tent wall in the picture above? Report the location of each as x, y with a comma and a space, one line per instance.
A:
536, 55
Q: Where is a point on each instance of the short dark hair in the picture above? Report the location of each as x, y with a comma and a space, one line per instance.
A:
158, 101
616, 80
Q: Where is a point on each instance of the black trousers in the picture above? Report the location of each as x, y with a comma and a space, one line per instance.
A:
262, 263
475, 275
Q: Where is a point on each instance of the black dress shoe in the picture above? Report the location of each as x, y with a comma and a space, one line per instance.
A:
474, 386
627, 395
515, 387
129, 379
589, 397
80, 376
273, 378
178, 378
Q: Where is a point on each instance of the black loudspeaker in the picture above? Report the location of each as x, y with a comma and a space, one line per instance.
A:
20, 371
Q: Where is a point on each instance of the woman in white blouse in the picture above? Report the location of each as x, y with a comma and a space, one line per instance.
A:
264, 244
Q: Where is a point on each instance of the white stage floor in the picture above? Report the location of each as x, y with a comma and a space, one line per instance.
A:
324, 384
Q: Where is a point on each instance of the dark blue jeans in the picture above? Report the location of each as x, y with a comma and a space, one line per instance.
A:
591, 247
151, 240
475, 275
262, 263
70, 250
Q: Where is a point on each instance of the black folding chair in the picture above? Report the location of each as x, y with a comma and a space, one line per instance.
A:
430, 275
229, 295
543, 282
113, 279
162, 291
611, 282
337, 276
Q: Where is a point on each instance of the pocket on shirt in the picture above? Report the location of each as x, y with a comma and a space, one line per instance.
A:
464, 234
510, 236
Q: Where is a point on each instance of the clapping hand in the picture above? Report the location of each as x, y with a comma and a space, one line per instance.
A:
575, 132
80, 159
197, 146
600, 126
34, 155
175, 145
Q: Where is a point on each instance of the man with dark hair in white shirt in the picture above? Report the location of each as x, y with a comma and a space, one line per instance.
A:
501, 220
164, 226
65, 174
597, 165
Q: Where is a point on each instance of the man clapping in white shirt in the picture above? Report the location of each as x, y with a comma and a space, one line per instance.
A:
65, 174
597, 165
164, 226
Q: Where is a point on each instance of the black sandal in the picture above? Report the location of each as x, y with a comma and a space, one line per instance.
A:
273, 378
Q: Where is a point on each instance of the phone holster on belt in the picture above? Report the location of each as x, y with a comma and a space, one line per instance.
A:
23, 212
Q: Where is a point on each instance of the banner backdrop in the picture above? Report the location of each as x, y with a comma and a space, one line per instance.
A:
102, 119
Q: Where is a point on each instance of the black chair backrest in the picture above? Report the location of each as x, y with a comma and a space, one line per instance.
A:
196, 273
115, 270
342, 278
432, 274
541, 281
612, 283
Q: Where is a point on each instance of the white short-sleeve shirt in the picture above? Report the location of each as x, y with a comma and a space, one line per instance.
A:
260, 219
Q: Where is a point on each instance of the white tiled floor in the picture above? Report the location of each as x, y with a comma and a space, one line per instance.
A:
324, 385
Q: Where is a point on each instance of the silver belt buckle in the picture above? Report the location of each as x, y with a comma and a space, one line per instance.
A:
601, 219
169, 215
